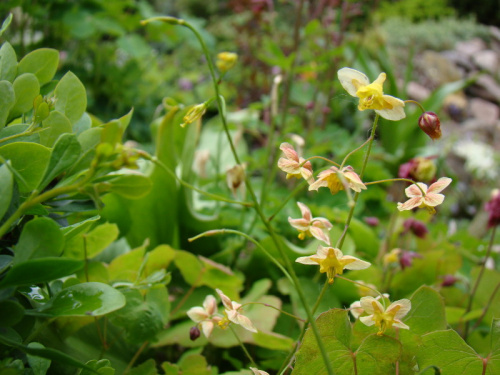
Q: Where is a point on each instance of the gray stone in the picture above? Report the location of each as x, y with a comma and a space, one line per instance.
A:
417, 92
486, 87
471, 47
486, 112
460, 59
487, 60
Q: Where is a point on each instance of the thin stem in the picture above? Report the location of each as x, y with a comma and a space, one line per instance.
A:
398, 179
364, 286
275, 308
274, 237
353, 151
478, 280
341, 240
188, 293
417, 103
135, 357
156, 161
285, 201
243, 347
319, 157
485, 310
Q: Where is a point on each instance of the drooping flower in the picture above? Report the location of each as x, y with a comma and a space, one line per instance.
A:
205, 316
307, 225
333, 178
493, 207
430, 197
430, 125
371, 95
294, 165
419, 168
233, 314
384, 318
235, 179
333, 262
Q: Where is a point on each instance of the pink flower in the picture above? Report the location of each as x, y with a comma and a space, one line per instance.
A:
423, 196
233, 314
334, 179
311, 226
204, 316
493, 207
294, 165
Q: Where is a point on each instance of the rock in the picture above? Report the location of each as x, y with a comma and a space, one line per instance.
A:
486, 112
460, 59
470, 47
487, 60
456, 105
486, 87
438, 68
417, 92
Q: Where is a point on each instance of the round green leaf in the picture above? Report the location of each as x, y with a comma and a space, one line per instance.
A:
26, 88
71, 98
5, 189
39, 365
87, 299
132, 186
42, 63
8, 63
53, 126
12, 313
7, 100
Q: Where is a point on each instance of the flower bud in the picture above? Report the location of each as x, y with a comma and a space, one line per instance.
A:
372, 221
194, 333
226, 60
448, 280
493, 207
406, 258
195, 113
417, 227
430, 124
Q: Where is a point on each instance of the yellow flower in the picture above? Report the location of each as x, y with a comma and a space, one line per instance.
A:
233, 314
430, 199
332, 262
195, 113
226, 60
384, 318
371, 95
332, 178
392, 257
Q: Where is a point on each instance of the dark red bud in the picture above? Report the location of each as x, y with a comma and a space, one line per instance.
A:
493, 207
449, 280
417, 227
194, 333
372, 221
430, 124
406, 258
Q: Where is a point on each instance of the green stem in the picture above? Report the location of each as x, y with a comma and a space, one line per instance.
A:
340, 242
275, 308
364, 286
417, 103
319, 157
398, 179
156, 161
243, 347
285, 201
352, 152
478, 280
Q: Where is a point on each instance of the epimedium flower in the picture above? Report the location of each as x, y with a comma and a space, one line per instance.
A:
294, 165
333, 262
424, 196
371, 95
333, 177
384, 318
258, 372
307, 225
232, 314
205, 316
356, 310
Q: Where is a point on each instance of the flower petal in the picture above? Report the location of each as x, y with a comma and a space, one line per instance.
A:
288, 166
289, 151
319, 234
396, 112
226, 301
413, 190
307, 260
305, 211
410, 204
439, 185
367, 320
317, 184
352, 79
197, 314
207, 327
405, 307
299, 224
322, 222
210, 304
357, 264
433, 200
400, 324
246, 323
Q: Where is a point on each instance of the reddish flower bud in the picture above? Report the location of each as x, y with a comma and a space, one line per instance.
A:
372, 221
406, 258
417, 227
493, 207
430, 124
194, 333
449, 280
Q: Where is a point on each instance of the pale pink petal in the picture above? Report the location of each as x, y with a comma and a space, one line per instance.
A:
322, 251
358, 264
319, 234
288, 166
322, 222
413, 190
317, 184
433, 199
404, 309
197, 314
400, 324
367, 304
258, 372
306, 212
367, 320
354, 181
210, 304
207, 327
356, 309
410, 204
289, 151
352, 79
299, 224
439, 185
307, 174
226, 301
246, 323
307, 260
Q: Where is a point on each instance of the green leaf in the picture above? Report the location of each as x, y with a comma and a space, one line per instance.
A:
483, 292
8, 63
12, 313
79, 227
7, 100
427, 312
6, 24
448, 351
377, 355
194, 364
40, 238
65, 153
39, 365
52, 127
29, 160
86, 299
145, 368
190, 267
26, 88
125, 267
40, 270
95, 241
5, 189
42, 63
71, 98
131, 185
102, 367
